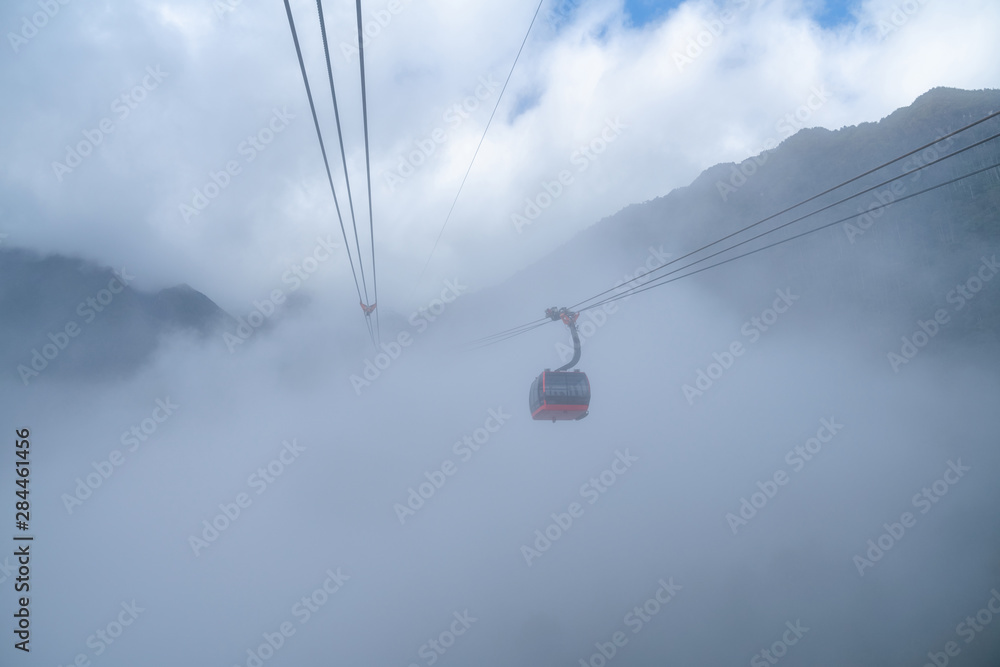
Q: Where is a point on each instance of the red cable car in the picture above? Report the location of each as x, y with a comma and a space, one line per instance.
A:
562, 394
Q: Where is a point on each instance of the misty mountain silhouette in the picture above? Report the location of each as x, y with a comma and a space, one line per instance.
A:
84, 320
893, 259
944, 233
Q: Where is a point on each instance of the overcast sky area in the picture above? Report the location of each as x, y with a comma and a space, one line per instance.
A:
225, 72
284, 501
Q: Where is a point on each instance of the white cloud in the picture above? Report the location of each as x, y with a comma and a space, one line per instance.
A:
228, 73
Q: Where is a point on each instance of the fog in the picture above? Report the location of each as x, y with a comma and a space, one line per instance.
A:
681, 469
758, 481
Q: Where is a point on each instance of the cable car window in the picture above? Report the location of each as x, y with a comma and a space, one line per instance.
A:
555, 385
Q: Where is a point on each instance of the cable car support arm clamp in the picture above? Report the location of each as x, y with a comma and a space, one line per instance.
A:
568, 318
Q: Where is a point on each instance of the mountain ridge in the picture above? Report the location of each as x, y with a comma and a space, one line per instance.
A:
69, 317
42, 295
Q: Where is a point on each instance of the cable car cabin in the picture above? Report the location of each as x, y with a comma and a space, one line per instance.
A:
560, 395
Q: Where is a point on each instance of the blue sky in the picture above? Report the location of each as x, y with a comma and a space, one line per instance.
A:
828, 12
